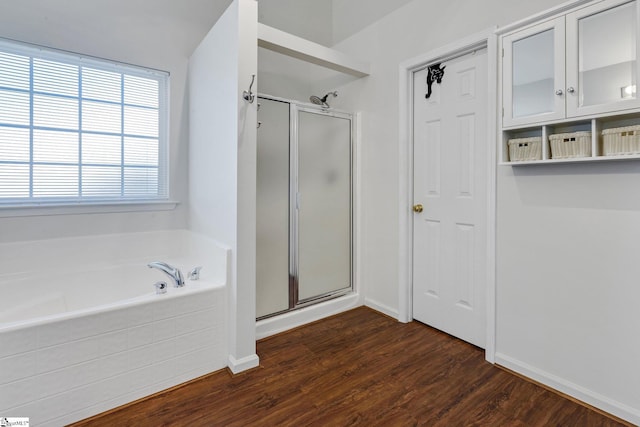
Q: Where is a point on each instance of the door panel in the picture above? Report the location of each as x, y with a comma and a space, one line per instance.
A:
431, 155
450, 146
272, 208
324, 204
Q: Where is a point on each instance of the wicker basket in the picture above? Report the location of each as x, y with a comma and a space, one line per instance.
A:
569, 145
617, 141
523, 149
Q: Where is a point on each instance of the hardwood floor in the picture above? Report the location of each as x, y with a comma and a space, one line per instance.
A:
359, 368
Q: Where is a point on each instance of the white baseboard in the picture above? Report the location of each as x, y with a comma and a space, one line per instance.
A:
567, 387
391, 312
243, 364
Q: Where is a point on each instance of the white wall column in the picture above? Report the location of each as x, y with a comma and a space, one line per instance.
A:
222, 162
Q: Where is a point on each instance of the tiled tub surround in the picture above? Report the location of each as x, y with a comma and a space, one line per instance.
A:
74, 343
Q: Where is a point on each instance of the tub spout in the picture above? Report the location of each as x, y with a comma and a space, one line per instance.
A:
173, 272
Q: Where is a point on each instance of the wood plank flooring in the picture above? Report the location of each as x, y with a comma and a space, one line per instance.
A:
359, 368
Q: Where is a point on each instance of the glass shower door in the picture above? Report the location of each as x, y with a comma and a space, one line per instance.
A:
323, 205
303, 217
272, 213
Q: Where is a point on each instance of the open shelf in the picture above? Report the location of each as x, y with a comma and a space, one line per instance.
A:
573, 160
594, 125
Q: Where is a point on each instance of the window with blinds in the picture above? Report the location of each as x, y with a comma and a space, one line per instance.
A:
79, 129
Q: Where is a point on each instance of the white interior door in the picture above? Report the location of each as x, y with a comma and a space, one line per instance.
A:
450, 182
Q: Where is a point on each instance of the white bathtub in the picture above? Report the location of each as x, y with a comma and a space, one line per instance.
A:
83, 331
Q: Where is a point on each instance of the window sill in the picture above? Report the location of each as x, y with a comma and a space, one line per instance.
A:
46, 209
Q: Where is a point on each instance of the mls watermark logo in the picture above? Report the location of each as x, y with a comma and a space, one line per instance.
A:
14, 421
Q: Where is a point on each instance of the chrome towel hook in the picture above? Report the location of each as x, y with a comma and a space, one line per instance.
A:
248, 95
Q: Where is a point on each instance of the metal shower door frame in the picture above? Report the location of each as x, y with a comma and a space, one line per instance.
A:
294, 203
294, 109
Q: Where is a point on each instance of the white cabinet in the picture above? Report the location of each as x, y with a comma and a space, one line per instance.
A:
602, 61
573, 65
572, 74
533, 74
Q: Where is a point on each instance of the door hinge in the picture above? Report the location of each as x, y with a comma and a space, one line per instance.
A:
503, 52
502, 111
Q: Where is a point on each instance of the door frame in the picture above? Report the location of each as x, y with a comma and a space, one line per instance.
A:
488, 39
296, 307
295, 302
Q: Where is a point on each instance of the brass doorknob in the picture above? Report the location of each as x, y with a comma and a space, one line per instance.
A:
417, 208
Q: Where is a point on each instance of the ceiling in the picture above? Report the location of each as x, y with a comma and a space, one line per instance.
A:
138, 30
85, 26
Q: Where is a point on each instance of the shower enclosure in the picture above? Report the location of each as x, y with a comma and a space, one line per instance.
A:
304, 205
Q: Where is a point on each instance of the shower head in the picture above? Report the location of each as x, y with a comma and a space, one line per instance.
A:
322, 101
316, 100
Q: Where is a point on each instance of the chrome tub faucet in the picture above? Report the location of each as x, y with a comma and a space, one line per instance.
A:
173, 272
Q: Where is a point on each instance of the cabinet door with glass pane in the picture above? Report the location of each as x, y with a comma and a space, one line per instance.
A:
533, 74
602, 58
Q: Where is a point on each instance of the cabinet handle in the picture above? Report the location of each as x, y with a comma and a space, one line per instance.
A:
570, 89
559, 92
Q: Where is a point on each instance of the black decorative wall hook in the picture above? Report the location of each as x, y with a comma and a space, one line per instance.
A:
434, 74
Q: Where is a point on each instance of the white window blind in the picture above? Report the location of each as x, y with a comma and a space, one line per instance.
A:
79, 129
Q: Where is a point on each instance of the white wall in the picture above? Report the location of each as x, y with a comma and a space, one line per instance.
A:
309, 19
351, 16
324, 21
213, 132
283, 76
568, 280
243, 347
159, 35
567, 235
286, 77
408, 32
222, 162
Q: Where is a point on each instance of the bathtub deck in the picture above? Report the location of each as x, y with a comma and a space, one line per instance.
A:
359, 368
